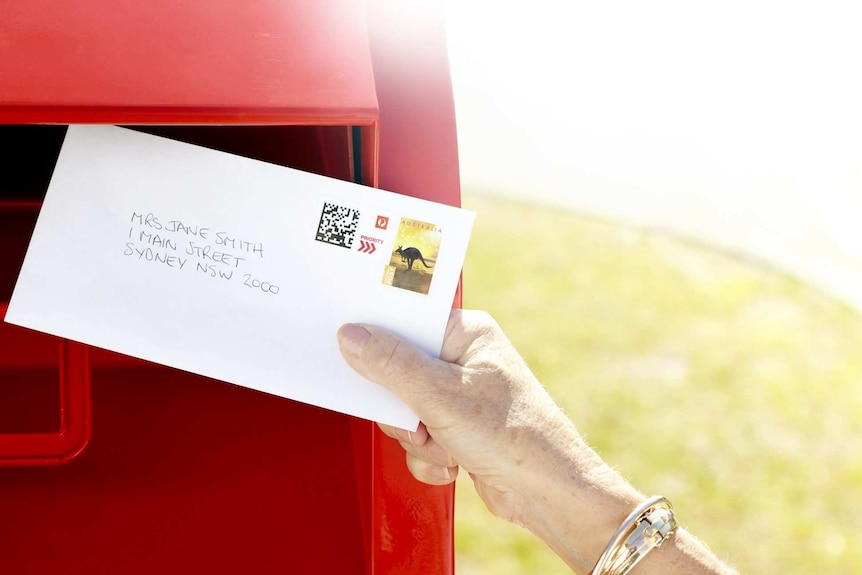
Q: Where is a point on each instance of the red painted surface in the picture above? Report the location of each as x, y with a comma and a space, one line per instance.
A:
60, 430
184, 474
238, 61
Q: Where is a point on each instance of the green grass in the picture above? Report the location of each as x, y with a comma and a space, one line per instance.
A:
732, 389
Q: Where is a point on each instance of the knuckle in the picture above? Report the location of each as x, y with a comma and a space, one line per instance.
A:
481, 319
482, 325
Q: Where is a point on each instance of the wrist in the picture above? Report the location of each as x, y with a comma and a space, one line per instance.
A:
574, 501
576, 506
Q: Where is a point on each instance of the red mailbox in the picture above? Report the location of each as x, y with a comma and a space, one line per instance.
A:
183, 474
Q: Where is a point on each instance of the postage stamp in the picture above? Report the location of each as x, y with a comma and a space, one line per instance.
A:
411, 265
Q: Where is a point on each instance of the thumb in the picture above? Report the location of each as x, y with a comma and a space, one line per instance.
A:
388, 360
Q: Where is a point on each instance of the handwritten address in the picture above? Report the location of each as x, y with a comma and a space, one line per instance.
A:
182, 246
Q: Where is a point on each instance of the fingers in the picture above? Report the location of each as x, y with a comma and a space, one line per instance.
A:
386, 359
431, 473
426, 460
420, 444
418, 437
431, 452
434, 389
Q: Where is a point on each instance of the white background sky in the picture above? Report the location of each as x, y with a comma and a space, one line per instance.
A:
736, 122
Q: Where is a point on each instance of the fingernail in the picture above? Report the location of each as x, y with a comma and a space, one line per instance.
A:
353, 338
404, 435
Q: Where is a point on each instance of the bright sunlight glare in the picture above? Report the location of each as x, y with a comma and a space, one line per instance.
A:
737, 123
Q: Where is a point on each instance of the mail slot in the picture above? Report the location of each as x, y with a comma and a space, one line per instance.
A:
165, 471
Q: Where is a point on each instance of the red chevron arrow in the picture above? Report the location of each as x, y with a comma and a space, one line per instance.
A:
366, 247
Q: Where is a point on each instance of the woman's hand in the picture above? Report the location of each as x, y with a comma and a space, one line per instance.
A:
483, 411
481, 407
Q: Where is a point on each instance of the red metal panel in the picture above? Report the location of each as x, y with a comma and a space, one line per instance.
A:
70, 437
188, 475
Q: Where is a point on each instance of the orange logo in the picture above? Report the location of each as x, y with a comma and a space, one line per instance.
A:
382, 222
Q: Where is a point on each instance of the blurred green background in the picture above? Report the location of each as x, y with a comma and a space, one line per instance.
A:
727, 386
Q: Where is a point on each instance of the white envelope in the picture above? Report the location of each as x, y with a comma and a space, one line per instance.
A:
233, 268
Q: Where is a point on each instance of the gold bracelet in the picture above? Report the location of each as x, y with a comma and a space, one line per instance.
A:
647, 527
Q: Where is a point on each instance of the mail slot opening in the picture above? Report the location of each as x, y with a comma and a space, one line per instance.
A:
28, 153
27, 156
17, 221
327, 150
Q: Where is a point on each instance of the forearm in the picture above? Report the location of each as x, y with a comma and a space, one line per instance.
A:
576, 502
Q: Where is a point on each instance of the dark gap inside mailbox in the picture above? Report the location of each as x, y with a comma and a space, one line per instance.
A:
224, 451
28, 152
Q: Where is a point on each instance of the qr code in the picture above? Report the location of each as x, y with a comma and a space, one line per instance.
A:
337, 225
